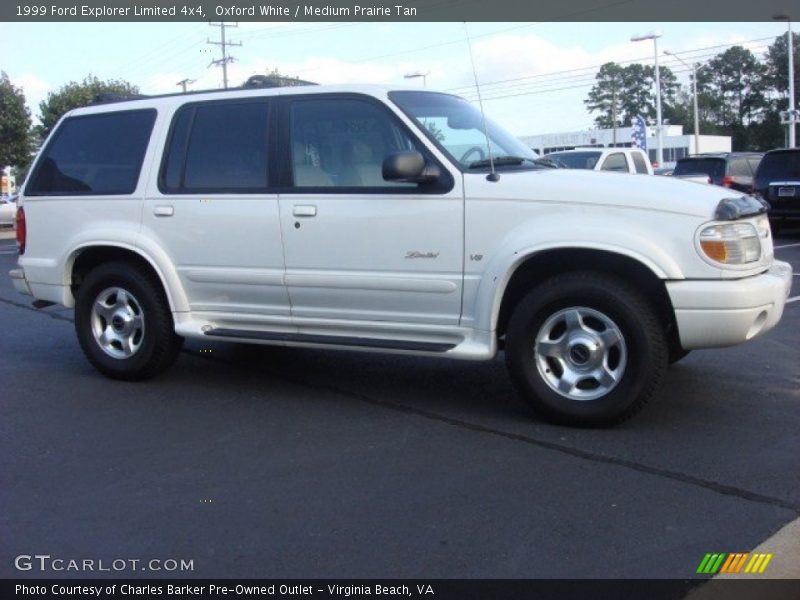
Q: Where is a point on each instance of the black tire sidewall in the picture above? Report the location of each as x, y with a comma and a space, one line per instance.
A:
646, 349
129, 278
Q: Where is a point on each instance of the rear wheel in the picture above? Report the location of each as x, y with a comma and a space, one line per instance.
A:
585, 349
124, 324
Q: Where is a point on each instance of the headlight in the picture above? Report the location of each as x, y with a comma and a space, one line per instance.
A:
731, 244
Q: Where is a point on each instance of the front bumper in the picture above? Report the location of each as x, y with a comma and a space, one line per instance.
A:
713, 314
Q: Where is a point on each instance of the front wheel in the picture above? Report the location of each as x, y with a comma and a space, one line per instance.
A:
585, 349
124, 324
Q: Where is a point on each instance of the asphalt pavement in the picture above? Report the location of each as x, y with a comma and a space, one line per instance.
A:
290, 463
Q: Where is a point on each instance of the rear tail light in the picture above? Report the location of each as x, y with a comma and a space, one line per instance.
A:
727, 181
22, 230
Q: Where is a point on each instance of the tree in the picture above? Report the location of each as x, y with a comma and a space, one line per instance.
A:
733, 83
628, 91
605, 96
777, 65
75, 95
15, 124
273, 79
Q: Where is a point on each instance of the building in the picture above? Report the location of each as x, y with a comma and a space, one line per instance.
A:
676, 145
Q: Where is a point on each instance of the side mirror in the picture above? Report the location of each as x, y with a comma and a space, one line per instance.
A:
408, 166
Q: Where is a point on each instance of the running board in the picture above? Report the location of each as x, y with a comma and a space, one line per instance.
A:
336, 340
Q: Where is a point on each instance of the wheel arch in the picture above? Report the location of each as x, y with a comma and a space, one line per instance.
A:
86, 257
535, 267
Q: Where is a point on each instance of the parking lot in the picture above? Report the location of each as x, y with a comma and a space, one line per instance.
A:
274, 462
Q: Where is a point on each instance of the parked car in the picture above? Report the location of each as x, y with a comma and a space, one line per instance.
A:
8, 210
733, 170
664, 171
340, 217
777, 181
619, 160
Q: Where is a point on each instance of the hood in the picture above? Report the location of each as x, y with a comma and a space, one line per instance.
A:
649, 192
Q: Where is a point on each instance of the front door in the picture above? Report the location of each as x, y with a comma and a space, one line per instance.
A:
359, 248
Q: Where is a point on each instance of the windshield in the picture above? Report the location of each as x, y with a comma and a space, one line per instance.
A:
575, 160
713, 167
456, 127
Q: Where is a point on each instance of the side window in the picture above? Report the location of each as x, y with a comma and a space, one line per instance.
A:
95, 155
639, 163
615, 162
217, 147
338, 142
738, 167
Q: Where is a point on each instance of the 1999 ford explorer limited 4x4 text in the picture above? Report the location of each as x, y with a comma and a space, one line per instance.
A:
361, 217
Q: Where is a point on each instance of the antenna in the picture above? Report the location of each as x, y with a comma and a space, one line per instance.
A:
492, 176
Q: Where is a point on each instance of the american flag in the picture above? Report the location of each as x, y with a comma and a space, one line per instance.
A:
639, 133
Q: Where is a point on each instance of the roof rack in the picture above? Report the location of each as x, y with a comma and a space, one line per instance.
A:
253, 82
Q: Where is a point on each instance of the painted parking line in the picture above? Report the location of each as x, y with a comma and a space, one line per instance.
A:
795, 299
786, 246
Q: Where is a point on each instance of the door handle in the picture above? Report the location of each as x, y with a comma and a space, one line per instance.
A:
304, 210
163, 211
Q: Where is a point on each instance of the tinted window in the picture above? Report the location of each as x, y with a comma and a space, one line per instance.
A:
738, 167
575, 160
615, 162
95, 154
342, 143
218, 147
639, 163
713, 167
780, 166
753, 161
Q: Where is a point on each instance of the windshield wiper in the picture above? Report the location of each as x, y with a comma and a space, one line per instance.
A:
499, 161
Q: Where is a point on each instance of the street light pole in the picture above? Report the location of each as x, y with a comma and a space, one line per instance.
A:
791, 117
654, 35
693, 67
792, 114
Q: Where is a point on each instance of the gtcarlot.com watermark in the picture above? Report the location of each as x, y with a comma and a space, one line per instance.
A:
44, 563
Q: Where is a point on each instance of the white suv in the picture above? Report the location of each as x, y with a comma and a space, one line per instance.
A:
361, 217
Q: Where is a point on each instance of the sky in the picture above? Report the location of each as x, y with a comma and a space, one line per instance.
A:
534, 76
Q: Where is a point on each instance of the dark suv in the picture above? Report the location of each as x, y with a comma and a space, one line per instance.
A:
778, 182
729, 169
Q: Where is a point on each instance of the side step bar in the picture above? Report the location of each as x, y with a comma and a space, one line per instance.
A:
361, 342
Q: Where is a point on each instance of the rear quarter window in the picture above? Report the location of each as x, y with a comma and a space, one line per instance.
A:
98, 154
713, 167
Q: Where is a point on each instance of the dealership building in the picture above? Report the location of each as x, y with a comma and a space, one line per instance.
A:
675, 143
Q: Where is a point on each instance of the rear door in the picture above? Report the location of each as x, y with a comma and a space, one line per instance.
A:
358, 248
214, 212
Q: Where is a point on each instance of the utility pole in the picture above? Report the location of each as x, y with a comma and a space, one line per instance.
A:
223, 44
792, 116
184, 82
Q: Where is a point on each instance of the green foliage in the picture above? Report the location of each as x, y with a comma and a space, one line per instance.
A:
621, 93
75, 95
738, 95
15, 124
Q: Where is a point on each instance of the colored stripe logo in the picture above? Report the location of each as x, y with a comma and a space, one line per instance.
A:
721, 562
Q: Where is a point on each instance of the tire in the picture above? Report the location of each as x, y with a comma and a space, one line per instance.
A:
124, 324
606, 334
